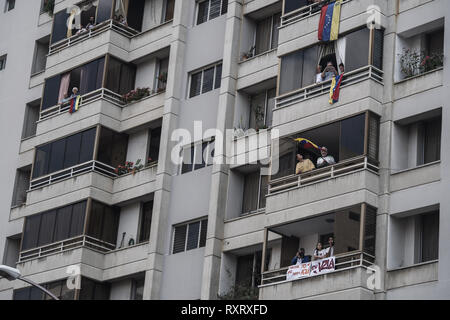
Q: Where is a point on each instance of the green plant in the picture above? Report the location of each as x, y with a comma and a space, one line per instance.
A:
259, 114
135, 95
49, 6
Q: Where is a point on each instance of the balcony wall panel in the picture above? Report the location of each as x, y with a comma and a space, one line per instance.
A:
341, 285
415, 177
257, 69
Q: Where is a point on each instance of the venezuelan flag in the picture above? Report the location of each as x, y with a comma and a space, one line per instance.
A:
75, 104
335, 88
306, 144
329, 21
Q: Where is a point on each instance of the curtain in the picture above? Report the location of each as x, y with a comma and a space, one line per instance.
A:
432, 137
291, 71
340, 46
324, 50
121, 7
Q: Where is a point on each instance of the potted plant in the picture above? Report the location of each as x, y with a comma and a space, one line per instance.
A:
49, 6
249, 54
135, 95
415, 62
129, 167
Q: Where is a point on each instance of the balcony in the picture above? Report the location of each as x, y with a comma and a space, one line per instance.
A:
257, 69
64, 246
351, 78
95, 31
348, 282
90, 166
343, 168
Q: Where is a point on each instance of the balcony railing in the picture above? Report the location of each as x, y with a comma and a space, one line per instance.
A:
342, 168
66, 245
304, 12
99, 94
90, 166
101, 27
314, 90
346, 261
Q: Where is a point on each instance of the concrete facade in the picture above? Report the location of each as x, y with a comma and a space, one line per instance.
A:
402, 189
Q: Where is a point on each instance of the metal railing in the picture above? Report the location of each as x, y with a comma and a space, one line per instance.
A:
96, 30
304, 12
98, 94
346, 261
69, 173
317, 89
342, 168
66, 245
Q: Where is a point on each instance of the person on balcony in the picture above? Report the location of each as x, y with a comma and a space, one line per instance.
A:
65, 99
91, 23
74, 93
325, 160
342, 68
329, 252
329, 72
82, 30
319, 253
300, 257
123, 20
319, 78
303, 165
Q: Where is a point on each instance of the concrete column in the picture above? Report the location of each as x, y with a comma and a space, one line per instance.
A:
153, 277
220, 174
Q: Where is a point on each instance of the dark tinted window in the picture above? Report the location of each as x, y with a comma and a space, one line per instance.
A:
63, 221
72, 152
202, 15
193, 236
31, 232
291, 5
57, 155
208, 80
196, 81
146, 222
179, 241
51, 92
291, 69
352, 137
47, 227
357, 52
218, 80
104, 10
59, 26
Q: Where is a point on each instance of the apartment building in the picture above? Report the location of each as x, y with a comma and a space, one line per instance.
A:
93, 205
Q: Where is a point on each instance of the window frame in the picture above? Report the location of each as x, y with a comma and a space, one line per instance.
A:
208, 18
187, 224
8, 5
272, 24
258, 203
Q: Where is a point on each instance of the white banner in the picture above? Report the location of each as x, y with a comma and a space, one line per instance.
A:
305, 270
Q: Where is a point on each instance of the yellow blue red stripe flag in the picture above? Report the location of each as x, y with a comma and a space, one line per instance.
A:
75, 104
307, 144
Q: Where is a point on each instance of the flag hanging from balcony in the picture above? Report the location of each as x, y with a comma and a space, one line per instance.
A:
75, 104
330, 18
335, 88
307, 144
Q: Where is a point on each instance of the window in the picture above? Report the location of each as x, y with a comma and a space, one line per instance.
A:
197, 156
261, 112
9, 5
2, 62
145, 222
137, 292
255, 191
93, 290
54, 226
103, 222
64, 153
267, 33
112, 148
154, 145
161, 79
189, 236
12, 250
248, 271
21, 186
429, 141
210, 9
205, 80
428, 237
30, 119
291, 5
120, 76
169, 7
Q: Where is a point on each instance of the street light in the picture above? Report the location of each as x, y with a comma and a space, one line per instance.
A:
12, 274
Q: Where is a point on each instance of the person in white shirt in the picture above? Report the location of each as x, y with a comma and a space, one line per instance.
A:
325, 160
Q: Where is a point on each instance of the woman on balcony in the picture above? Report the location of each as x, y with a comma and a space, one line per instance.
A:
319, 253
303, 165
